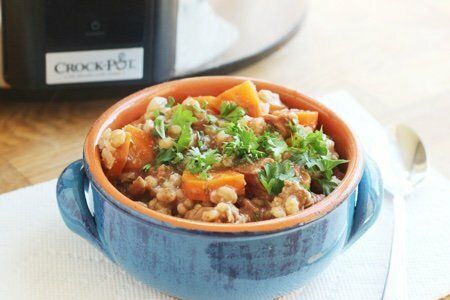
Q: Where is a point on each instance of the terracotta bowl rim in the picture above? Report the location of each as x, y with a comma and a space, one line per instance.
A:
329, 203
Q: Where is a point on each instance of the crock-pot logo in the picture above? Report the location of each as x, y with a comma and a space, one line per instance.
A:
121, 63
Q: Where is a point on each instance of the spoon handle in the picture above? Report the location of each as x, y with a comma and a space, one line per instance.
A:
395, 287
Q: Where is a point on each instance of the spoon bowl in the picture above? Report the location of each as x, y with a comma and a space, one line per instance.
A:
413, 156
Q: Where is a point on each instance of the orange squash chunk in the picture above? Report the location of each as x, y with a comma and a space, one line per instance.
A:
120, 158
308, 118
141, 148
196, 188
244, 95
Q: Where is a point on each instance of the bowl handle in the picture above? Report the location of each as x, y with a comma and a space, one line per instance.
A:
70, 194
368, 202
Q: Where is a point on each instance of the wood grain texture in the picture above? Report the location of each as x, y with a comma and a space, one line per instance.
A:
394, 56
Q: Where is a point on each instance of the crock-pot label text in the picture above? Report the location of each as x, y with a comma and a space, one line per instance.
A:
94, 65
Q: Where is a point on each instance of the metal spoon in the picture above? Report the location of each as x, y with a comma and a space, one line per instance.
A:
408, 168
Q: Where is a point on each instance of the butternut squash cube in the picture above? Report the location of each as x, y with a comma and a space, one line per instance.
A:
199, 189
244, 95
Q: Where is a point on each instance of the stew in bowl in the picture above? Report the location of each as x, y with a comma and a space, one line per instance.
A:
214, 183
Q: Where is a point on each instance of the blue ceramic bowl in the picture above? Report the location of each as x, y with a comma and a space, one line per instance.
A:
196, 260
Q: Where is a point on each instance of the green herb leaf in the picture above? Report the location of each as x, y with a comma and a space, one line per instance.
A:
313, 142
178, 158
170, 101
328, 185
146, 167
310, 150
165, 155
182, 117
317, 166
273, 175
160, 128
327, 165
168, 156
184, 139
245, 144
273, 143
156, 113
197, 162
231, 112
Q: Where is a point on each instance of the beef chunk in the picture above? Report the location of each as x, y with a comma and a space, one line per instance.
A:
254, 188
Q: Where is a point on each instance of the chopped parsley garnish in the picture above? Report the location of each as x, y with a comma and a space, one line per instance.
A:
184, 139
328, 185
182, 117
273, 175
146, 167
310, 150
273, 143
307, 149
170, 101
313, 142
327, 165
160, 128
200, 136
168, 156
198, 162
231, 112
156, 113
245, 144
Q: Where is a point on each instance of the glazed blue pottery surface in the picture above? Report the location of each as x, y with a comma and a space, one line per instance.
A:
205, 265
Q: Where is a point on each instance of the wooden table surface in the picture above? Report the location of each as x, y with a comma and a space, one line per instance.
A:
394, 56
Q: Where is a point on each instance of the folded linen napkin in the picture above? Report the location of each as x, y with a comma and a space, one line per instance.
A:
41, 259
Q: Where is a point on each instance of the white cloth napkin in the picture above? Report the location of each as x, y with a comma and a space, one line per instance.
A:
41, 259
